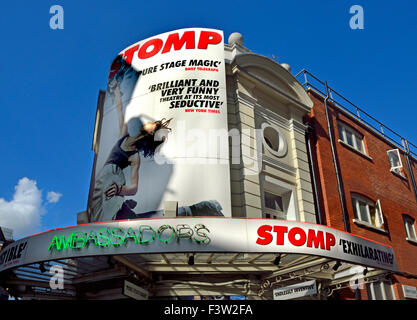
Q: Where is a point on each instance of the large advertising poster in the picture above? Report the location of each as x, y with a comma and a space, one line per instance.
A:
163, 143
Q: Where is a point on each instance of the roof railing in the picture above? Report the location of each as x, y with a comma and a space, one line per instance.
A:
311, 82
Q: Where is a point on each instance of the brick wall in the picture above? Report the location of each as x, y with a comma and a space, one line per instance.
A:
369, 176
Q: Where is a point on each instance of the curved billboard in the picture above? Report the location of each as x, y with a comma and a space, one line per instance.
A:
163, 142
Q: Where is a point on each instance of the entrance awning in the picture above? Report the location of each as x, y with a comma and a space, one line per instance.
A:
189, 256
170, 275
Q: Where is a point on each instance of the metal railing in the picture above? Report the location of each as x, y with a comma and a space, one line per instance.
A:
310, 82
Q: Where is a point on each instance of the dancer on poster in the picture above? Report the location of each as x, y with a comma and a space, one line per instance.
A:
110, 184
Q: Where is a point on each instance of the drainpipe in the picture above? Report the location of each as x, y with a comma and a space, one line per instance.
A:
336, 166
410, 171
313, 173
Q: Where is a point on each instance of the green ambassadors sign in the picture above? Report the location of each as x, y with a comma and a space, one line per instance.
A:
142, 235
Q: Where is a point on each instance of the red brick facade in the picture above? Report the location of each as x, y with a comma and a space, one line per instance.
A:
367, 175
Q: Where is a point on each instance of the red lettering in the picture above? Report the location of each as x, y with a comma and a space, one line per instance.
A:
128, 54
296, 236
264, 232
174, 40
143, 51
293, 240
280, 234
330, 240
316, 239
115, 66
208, 37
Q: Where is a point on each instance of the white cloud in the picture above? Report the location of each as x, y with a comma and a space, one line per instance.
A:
23, 213
53, 197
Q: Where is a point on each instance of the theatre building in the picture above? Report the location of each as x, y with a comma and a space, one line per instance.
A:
305, 197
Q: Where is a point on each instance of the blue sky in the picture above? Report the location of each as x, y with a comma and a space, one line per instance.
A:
51, 77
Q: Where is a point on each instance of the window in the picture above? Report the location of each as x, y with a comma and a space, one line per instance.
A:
395, 161
268, 142
274, 140
366, 211
380, 290
351, 137
273, 206
409, 228
279, 199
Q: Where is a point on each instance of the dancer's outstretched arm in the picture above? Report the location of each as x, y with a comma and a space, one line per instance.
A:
118, 190
119, 109
134, 177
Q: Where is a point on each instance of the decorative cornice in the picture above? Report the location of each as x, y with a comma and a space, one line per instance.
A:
275, 118
298, 126
279, 165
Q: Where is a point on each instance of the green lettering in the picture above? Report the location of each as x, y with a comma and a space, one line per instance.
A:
161, 231
91, 237
184, 231
54, 243
117, 236
202, 236
101, 235
142, 231
61, 242
76, 239
130, 234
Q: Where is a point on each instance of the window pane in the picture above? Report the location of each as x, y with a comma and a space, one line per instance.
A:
355, 208
349, 138
413, 232
359, 144
409, 227
273, 201
393, 159
271, 137
388, 290
379, 214
363, 209
278, 201
378, 291
372, 213
269, 201
269, 143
